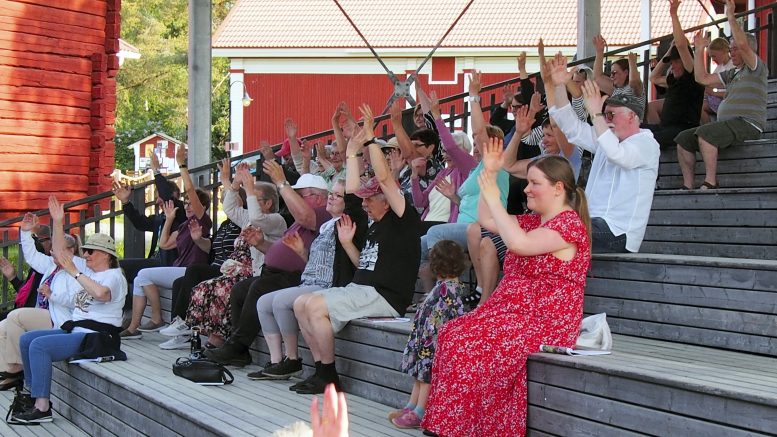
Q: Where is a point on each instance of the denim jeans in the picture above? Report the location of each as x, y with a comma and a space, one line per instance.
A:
603, 240
448, 231
39, 350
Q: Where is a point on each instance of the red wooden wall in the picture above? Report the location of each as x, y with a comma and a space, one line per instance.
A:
57, 100
310, 99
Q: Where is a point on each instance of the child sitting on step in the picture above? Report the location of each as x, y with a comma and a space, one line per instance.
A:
443, 303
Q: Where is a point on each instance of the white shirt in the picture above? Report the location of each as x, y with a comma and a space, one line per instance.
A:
89, 308
63, 287
439, 206
623, 175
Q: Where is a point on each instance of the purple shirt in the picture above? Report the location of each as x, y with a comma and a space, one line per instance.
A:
188, 251
280, 257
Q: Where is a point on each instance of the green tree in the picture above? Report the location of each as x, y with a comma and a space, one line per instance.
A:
152, 91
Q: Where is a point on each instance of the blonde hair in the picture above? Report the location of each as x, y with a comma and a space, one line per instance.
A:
719, 44
557, 169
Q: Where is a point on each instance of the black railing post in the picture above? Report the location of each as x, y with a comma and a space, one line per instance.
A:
135, 240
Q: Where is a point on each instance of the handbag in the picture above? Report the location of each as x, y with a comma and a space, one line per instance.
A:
202, 371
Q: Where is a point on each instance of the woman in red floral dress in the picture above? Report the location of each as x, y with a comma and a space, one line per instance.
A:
479, 372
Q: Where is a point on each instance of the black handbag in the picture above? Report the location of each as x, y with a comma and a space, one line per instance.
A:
202, 371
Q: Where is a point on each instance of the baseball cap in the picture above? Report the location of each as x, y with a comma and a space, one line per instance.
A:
308, 180
627, 101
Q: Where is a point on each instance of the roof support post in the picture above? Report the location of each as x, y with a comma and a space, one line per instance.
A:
198, 132
588, 26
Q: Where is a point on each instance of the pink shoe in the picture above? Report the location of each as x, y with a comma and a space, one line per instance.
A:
396, 413
408, 420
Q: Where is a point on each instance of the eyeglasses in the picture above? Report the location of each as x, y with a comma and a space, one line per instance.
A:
516, 107
41, 239
336, 195
610, 115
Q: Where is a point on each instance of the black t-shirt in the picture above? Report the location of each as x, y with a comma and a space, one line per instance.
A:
682, 101
391, 256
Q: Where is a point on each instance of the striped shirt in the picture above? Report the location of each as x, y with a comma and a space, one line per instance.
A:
745, 95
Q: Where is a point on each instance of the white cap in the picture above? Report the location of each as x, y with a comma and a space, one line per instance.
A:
310, 181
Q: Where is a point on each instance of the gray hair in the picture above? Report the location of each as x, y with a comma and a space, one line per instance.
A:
463, 141
269, 191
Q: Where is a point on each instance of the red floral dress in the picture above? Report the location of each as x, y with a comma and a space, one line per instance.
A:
479, 371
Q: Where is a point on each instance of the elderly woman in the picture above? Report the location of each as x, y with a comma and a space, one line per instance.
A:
193, 244
98, 309
439, 199
54, 302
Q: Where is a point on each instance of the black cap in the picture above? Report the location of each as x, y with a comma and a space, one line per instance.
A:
627, 101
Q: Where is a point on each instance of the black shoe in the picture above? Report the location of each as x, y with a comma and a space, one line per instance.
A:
305, 381
283, 370
258, 374
11, 381
472, 299
229, 355
32, 416
316, 386
22, 402
429, 433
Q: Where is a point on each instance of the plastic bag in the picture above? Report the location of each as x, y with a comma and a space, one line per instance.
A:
595, 333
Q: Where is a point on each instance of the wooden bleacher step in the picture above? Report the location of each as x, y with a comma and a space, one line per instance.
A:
61, 426
141, 396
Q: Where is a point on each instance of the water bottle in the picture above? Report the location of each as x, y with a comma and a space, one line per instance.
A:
196, 344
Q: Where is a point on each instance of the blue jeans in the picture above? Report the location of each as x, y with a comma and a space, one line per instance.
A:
40, 349
448, 231
603, 240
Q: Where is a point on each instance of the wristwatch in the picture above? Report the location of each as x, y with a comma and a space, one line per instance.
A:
473, 99
370, 141
283, 184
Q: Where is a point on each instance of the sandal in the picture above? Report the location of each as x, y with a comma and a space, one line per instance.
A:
686, 188
708, 186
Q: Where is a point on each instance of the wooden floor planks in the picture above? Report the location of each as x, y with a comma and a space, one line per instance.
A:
58, 428
244, 408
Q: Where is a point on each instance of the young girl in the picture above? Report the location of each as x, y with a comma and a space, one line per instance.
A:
443, 303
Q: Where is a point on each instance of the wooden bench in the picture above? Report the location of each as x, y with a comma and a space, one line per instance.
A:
717, 302
734, 223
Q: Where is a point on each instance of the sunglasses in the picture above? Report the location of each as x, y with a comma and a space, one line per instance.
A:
516, 107
90, 251
609, 115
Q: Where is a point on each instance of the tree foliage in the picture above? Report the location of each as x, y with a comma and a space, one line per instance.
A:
152, 92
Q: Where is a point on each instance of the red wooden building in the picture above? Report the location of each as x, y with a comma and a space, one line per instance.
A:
57, 100
300, 58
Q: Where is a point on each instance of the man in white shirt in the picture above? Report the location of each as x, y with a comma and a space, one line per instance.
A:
625, 165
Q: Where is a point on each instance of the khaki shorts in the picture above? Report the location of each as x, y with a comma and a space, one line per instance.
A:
720, 134
354, 301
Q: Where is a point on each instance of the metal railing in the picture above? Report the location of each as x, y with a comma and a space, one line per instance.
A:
206, 176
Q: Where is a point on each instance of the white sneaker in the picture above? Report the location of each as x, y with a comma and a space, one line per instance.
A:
176, 328
179, 342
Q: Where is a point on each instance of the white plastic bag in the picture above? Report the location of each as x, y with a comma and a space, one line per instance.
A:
595, 333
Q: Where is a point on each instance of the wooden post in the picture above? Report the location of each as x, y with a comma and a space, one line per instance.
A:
135, 240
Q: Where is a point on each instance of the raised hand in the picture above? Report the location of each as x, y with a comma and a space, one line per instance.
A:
730, 8
535, 105
474, 83
418, 166
180, 156
274, 171
225, 173
55, 209
155, 162
29, 222
522, 61
7, 268
64, 259
557, 67
507, 95
306, 148
700, 40
195, 230
346, 229
335, 415
632, 59
253, 236
355, 143
446, 188
524, 120
369, 120
489, 190
592, 97
396, 111
291, 129
121, 192
170, 209
493, 155
423, 99
674, 5
435, 105
599, 43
